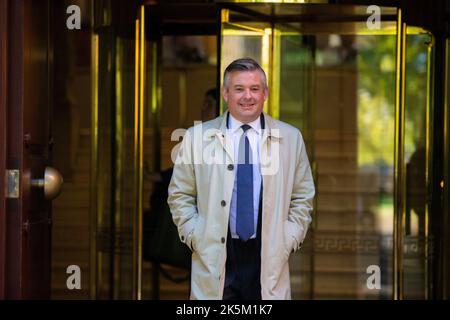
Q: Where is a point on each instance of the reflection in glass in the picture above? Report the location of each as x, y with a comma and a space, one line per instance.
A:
115, 186
418, 246
180, 70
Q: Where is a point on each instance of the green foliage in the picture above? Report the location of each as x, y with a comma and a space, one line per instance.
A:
376, 97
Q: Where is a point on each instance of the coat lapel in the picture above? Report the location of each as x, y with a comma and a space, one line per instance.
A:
270, 146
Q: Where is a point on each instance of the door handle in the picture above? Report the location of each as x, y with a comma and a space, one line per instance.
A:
52, 183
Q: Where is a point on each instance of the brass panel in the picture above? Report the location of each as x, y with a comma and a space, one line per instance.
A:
399, 174
94, 170
138, 98
446, 178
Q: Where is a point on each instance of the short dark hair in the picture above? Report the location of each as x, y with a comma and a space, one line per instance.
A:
243, 64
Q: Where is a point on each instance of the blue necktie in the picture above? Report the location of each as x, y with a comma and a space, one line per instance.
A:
244, 211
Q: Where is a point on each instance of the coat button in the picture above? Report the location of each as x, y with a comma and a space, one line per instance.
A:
223, 203
223, 240
230, 167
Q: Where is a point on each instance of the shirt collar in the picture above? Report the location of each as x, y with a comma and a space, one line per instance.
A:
235, 124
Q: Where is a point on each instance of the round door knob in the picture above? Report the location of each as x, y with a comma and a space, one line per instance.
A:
52, 183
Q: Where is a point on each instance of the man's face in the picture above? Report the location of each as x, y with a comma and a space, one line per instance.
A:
245, 95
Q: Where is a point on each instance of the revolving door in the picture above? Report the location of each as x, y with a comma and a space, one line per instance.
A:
357, 85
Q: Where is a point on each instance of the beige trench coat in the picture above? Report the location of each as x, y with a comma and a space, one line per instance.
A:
200, 196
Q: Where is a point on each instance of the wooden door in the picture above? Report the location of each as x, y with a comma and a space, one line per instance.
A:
3, 86
26, 219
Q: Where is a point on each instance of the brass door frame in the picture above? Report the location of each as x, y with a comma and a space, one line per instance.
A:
94, 203
446, 177
139, 144
399, 170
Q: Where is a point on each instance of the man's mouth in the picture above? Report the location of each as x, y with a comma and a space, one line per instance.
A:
246, 105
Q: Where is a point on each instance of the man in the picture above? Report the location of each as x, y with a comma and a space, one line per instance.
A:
210, 104
242, 196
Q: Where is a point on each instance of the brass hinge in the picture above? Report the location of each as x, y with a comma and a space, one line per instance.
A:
12, 184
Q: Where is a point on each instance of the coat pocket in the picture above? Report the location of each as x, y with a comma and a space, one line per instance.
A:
195, 234
289, 237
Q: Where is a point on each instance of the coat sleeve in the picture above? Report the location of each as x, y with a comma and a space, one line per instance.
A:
182, 192
303, 192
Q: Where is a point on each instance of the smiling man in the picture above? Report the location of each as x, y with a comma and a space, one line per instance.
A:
245, 92
240, 221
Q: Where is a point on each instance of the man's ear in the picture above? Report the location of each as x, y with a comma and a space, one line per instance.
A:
225, 94
266, 93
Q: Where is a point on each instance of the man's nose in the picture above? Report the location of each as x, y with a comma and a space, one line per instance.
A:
247, 94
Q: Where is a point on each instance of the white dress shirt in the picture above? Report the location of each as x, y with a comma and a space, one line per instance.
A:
254, 135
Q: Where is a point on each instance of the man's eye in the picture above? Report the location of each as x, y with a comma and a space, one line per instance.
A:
255, 89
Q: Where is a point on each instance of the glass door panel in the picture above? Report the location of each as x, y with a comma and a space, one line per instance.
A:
333, 76
179, 69
101, 178
418, 244
115, 168
351, 120
295, 55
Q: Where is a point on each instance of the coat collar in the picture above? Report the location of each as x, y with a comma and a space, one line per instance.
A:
268, 124
270, 129
235, 125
